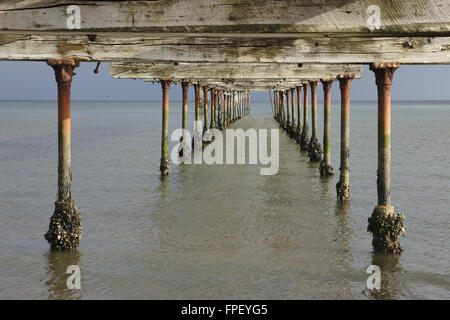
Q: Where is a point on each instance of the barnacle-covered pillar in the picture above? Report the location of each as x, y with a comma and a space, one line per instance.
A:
325, 168
304, 139
64, 232
165, 162
213, 109
343, 186
315, 149
385, 225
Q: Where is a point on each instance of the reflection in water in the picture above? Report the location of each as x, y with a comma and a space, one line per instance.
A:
389, 265
58, 261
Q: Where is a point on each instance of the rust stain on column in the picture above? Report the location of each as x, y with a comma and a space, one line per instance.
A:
293, 124
325, 168
304, 138
165, 162
213, 108
197, 139
64, 231
384, 224
184, 105
298, 133
343, 186
315, 149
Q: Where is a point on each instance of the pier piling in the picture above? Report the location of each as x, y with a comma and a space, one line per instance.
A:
304, 139
184, 153
299, 115
206, 132
293, 124
315, 149
325, 168
343, 186
165, 162
213, 109
64, 232
385, 225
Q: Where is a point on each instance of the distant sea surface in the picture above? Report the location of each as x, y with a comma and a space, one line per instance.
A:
222, 231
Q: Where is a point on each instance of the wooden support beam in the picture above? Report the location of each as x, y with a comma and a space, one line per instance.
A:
316, 49
230, 71
217, 16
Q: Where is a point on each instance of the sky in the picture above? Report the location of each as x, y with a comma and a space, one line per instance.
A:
36, 81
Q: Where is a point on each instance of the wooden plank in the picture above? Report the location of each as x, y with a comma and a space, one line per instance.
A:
230, 71
398, 17
328, 50
242, 85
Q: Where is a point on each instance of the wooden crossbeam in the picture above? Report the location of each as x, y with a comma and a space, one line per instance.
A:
230, 71
328, 50
397, 17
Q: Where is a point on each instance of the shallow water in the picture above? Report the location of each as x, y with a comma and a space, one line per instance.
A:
224, 231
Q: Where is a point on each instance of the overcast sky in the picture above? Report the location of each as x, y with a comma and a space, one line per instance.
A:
36, 81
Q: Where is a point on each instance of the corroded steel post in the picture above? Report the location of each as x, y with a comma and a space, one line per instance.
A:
197, 139
298, 133
304, 139
283, 112
206, 132
184, 122
325, 168
213, 108
220, 113
293, 124
315, 149
275, 102
165, 162
384, 224
234, 106
226, 110
343, 186
288, 113
64, 232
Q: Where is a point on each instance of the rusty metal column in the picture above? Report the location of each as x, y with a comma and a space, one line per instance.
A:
234, 106
315, 149
206, 132
283, 112
304, 139
384, 224
325, 168
219, 111
184, 105
293, 124
197, 139
298, 133
227, 102
64, 231
288, 113
165, 162
275, 103
213, 108
343, 186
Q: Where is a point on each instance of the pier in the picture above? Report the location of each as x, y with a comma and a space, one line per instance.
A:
227, 49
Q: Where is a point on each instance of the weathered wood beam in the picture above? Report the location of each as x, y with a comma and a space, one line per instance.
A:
430, 17
233, 71
328, 50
